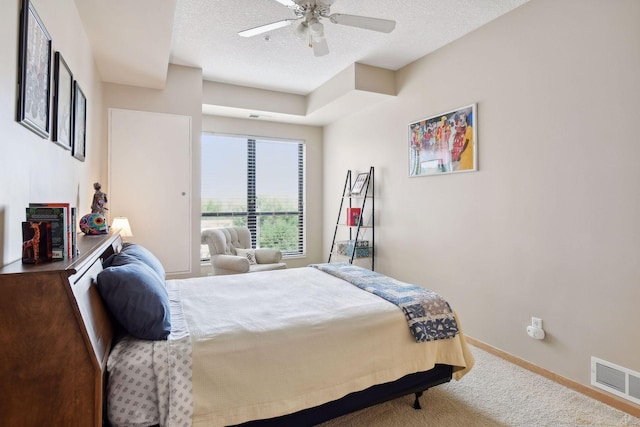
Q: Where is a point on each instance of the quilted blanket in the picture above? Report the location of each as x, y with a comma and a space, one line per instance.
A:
429, 316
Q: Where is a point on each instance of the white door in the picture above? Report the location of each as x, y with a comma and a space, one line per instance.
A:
150, 182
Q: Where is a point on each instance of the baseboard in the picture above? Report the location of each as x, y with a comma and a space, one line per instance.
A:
607, 399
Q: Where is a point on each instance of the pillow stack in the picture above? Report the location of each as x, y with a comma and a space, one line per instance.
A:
132, 286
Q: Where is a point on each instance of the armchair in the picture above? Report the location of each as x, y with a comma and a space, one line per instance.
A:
225, 245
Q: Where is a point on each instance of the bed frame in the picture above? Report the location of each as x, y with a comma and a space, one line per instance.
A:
63, 295
414, 383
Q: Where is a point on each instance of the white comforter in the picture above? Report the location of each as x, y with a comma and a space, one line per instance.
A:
272, 343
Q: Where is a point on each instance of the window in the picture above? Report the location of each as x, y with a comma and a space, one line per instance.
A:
258, 183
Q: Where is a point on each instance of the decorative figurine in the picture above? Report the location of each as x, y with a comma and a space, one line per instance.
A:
99, 200
94, 223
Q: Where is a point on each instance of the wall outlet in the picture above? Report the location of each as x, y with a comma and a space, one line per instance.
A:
535, 333
536, 322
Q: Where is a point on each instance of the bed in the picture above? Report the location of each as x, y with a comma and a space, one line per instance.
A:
289, 347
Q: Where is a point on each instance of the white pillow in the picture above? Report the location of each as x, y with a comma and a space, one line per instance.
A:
250, 254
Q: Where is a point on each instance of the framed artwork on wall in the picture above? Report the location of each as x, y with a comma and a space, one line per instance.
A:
62, 102
79, 122
444, 143
34, 73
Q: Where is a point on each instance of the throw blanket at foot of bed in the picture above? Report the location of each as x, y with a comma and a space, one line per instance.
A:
428, 314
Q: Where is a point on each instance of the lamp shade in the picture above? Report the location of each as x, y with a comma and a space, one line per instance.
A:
121, 225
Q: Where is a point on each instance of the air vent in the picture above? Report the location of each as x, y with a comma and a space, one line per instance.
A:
634, 386
615, 379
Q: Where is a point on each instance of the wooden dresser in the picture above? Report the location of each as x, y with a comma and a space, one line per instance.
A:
55, 336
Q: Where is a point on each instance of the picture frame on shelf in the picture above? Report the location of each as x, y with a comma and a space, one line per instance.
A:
79, 123
62, 103
445, 143
34, 72
359, 183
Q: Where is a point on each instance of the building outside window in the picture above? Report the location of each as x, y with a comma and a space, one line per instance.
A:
257, 183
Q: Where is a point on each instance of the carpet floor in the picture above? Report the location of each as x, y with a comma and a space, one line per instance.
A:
494, 393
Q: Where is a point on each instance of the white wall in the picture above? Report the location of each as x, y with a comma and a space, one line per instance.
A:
33, 169
313, 171
548, 226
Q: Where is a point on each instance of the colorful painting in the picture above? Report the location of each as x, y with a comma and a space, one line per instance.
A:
444, 143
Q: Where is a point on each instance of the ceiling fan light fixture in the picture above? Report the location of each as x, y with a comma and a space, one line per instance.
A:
320, 47
301, 30
317, 30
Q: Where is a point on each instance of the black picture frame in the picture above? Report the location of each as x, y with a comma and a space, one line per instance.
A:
34, 72
79, 122
62, 103
358, 186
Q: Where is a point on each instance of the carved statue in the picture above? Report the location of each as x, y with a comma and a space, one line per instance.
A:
99, 200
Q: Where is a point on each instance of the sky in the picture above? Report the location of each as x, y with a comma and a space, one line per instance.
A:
224, 172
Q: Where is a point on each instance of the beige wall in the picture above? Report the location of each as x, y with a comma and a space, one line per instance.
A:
313, 171
182, 95
549, 226
33, 169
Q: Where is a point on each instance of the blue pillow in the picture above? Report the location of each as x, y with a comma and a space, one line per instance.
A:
144, 255
136, 252
137, 298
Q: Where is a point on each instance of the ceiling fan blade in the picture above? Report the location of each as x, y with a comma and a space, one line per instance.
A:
288, 3
265, 28
374, 24
320, 47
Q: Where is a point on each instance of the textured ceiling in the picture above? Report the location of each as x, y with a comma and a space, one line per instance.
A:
205, 36
134, 41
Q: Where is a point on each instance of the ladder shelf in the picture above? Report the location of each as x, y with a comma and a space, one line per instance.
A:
354, 234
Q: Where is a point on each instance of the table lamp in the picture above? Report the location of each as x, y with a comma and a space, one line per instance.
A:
121, 224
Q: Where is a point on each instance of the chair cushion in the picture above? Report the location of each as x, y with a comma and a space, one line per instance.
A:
267, 267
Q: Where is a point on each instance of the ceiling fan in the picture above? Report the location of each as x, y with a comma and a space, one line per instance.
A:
308, 25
